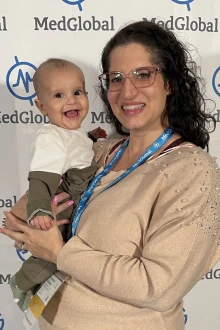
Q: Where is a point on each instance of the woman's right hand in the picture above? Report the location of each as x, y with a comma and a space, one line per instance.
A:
44, 244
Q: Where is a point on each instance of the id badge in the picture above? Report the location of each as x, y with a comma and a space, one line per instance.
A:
42, 298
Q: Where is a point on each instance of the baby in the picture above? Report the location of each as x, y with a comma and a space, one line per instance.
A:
62, 161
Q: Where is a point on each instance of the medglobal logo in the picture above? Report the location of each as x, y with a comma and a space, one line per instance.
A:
2, 322
212, 274
5, 279
19, 80
185, 316
184, 2
8, 202
23, 117
74, 24
99, 118
186, 23
78, 3
23, 255
217, 116
3, 24
216, 81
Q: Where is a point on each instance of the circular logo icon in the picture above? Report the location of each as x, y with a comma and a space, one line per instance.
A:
156, 144
23, 255
19, 80
216, 81
78, 3
184, 2
2, 323
185, 316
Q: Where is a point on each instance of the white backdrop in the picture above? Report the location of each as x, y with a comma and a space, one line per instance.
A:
31, 32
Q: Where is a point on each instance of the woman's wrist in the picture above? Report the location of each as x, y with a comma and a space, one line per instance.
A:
56, 252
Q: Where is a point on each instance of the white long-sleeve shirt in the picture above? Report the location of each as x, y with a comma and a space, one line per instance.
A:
57, 149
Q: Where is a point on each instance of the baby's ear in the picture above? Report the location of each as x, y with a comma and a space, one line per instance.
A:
40, 106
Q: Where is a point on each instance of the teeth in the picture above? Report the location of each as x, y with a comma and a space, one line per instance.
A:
133, 107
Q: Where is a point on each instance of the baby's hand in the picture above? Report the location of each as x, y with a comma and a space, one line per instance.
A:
42, 222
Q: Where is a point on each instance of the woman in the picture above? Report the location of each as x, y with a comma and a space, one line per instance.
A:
144, 242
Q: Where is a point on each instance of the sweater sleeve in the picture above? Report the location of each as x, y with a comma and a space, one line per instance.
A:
181, 246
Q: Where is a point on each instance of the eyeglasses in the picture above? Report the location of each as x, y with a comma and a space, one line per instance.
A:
140, 78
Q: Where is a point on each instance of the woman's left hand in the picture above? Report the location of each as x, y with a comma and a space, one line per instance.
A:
42, 244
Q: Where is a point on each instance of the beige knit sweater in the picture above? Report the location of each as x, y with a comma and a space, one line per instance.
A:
140, 247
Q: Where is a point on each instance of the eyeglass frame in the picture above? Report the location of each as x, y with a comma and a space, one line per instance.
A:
153, 69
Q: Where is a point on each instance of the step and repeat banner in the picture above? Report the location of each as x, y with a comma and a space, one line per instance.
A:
33, 31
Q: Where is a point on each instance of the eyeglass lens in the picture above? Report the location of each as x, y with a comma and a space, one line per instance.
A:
142, 77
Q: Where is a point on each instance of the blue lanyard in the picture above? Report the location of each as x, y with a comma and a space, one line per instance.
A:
163, 138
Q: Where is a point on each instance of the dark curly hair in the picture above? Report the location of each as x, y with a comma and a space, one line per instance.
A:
186, 105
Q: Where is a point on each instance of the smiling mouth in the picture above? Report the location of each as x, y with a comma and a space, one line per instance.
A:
71, 113
133, 107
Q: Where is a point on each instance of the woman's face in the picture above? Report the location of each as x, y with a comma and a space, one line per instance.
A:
138, 109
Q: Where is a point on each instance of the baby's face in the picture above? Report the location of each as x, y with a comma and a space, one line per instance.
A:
63, 97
